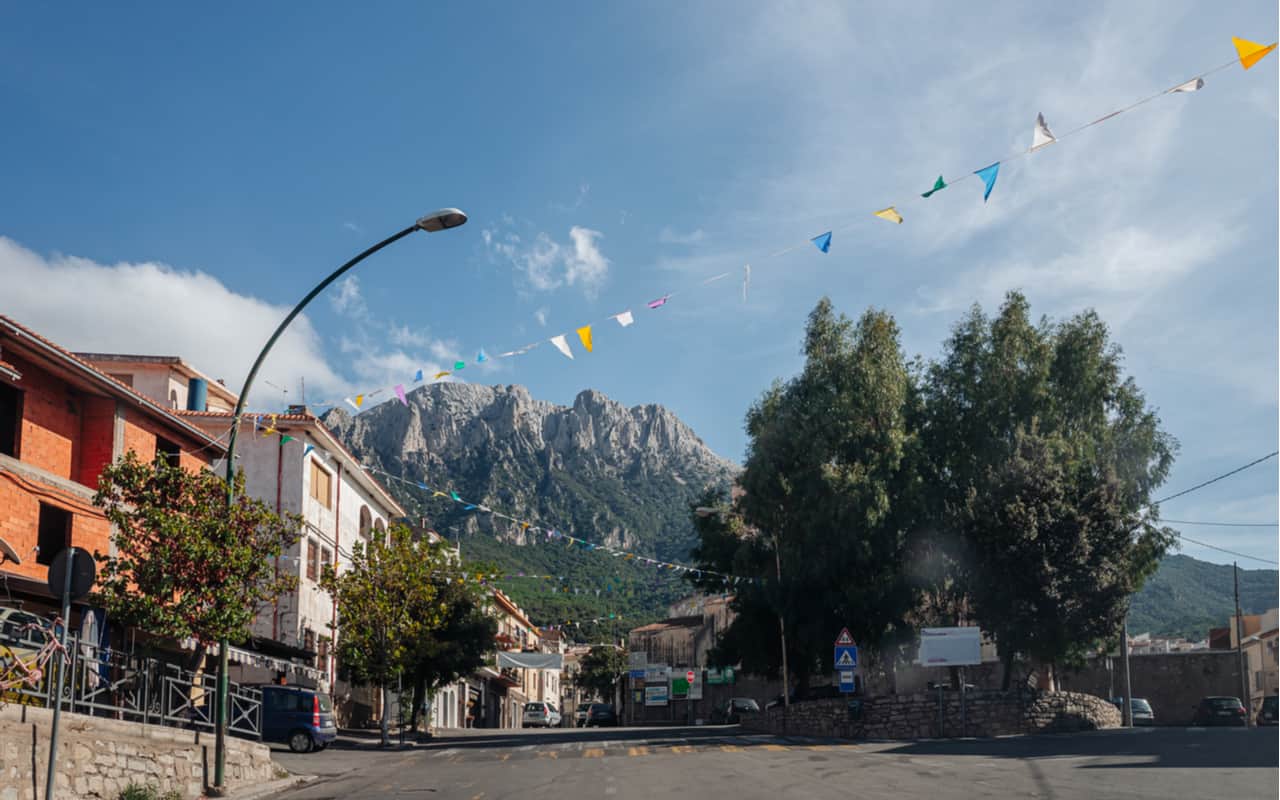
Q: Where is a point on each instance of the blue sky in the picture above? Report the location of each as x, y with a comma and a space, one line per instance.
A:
174, 179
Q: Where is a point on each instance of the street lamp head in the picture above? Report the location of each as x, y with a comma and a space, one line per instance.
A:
443, 219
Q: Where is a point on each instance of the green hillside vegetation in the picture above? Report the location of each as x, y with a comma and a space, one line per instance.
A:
1187, 597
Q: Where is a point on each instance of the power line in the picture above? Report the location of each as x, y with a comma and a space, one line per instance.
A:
1220, 477
1225, 524
1225, 550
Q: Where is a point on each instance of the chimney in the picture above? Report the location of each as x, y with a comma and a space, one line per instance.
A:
197, 395
298, 409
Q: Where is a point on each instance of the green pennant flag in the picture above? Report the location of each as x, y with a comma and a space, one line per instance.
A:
939, 184
285, 438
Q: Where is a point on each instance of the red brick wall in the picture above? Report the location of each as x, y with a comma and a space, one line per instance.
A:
20, 500
97, 438
50, 421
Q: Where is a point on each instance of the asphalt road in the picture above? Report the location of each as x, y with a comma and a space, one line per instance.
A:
619, 764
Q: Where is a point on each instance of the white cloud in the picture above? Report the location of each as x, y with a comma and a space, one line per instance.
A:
351, 226
546, 264
541, 316
156, 309
346, 298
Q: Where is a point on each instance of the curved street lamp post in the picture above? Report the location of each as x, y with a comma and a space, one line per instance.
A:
439, 221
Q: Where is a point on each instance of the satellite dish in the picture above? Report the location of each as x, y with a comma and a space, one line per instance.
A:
7, 553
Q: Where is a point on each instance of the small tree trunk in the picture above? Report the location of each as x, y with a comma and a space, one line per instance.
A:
419, 699
386, 715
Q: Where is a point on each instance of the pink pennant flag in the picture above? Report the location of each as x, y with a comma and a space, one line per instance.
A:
660, 302
400, 393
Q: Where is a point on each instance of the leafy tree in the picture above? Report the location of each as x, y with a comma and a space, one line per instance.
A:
389, 601
459, 645
601, 669
184, 566
826, 501
1042, 458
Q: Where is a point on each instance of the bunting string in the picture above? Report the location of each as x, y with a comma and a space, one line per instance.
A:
1248, 54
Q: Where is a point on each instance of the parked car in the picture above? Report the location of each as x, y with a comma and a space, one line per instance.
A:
1219, 711
601, 714
580, 716
540, 715
301, 718
1140, 708
1268, 715
734, 709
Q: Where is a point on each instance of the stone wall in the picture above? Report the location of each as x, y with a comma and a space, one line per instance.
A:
921, 716
1172, 683
98, 758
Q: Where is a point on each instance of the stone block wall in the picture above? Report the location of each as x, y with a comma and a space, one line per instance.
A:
98, 758
922, 716
1172, 683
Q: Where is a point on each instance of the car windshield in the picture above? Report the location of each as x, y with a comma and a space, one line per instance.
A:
1141, 705
584, 707
536, 707
1224, 703
1270, 703
326, 705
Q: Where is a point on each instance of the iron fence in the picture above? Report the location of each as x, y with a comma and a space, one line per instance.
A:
103, 682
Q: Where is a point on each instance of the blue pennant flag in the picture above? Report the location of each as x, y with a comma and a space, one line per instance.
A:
988, 175
423, 486
481, 357
468, 507
822, 242
417, 376
307, 449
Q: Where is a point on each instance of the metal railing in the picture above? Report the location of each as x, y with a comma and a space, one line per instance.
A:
103, 682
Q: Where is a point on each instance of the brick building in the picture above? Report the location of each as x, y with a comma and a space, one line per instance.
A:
61, 422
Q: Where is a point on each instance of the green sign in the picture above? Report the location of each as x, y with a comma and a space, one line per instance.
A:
679, 687
720, 677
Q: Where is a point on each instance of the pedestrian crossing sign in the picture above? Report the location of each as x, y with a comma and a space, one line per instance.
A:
845, 658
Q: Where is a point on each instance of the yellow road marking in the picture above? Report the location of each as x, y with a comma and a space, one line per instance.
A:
593, 752
638, 751
681, 748
505, 756
552, 754
776, 747
730, 748
818, 747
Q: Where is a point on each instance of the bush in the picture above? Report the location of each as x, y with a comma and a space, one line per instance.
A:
136, 791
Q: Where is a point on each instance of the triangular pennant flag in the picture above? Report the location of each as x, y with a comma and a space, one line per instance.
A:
988, 175
440, 375
890, 214
284, 439
624, 319
1194, 85
454, 497
350, 402
359, 400
746, 281
307, 450
1041, 136
562, 345
584, 333
423, 486
257, 421
660, 302
481, 357
400, 393
457, 365
417, 376
438, 494
938, 185
1251, 52
822, 242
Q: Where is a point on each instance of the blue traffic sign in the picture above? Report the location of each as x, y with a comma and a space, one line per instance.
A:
846, 681
846, 656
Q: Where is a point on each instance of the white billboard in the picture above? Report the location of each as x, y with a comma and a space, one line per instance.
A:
950, 647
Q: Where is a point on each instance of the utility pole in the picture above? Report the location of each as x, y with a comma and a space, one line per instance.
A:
1244, 671
782, 631
1126, 711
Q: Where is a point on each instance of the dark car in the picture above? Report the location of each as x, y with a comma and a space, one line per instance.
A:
1268, 715
734, 709
1142, 713
1221, 711
301, 718
601, 714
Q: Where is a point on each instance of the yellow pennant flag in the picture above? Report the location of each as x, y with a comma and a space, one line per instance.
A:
440, 375
584, 333
1251, 52
890, 214
359, 400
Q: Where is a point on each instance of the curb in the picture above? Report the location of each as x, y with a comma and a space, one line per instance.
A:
271, 787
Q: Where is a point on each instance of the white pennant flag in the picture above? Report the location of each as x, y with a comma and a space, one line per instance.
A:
746, 281
624, 319
562, 345
1042, 135
1194, 85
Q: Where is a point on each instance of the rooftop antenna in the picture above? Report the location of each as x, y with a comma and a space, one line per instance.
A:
284, 393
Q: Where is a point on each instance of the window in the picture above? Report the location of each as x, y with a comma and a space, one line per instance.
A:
320, 480
10, 419
366, 522
326, 556
313, 560
124, 378
168, 452
309, 642
173, 398
55, 533
380, 529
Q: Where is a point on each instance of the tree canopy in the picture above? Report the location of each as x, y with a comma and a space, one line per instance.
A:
600, 670
184, 565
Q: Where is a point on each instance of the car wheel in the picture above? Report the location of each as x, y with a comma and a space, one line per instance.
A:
300, 742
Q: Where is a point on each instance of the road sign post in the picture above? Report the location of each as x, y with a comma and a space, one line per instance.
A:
71, 575
845, 661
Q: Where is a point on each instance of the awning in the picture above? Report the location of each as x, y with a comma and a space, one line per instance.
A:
519, 660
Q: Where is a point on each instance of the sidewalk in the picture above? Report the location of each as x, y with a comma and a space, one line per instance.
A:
371, 739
